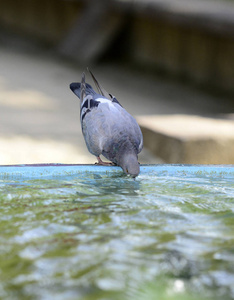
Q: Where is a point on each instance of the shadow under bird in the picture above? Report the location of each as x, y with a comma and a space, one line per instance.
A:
108, 129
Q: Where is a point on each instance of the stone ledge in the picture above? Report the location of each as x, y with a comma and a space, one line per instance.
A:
189, 139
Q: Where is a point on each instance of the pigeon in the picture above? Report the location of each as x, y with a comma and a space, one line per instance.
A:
108, 129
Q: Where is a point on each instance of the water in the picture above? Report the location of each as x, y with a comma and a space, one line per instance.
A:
102, 235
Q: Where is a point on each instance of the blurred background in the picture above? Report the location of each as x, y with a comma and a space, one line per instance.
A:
169, 62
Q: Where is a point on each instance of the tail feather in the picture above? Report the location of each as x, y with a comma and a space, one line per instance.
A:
82, 88
100, 89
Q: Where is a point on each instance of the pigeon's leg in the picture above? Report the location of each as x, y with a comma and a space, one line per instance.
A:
103, 163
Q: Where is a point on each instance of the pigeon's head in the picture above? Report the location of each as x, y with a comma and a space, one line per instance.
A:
129, 164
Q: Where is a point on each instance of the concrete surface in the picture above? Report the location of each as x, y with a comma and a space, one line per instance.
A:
39, 115
189, 139
44, 171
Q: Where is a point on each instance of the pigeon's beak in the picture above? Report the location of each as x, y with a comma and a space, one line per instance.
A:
134, 177
131, 175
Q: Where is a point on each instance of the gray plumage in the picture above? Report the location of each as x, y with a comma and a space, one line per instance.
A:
108, 128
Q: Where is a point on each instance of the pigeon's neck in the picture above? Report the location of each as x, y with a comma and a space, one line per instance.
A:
127, 154
127, 149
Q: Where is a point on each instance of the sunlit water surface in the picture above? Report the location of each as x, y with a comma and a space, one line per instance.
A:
106, 236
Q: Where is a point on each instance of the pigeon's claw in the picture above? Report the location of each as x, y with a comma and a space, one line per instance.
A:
103, 163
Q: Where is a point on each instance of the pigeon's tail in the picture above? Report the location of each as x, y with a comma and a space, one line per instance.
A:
100, 89
75, 87
82, 89
89, 90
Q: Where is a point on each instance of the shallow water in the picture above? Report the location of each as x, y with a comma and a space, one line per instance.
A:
106, 236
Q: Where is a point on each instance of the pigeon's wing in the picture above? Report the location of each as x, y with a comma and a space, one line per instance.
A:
94, 122
128, 124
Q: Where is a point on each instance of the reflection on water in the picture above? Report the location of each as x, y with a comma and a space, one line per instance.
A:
103, 236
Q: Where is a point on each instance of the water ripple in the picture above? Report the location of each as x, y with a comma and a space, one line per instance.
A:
108, 236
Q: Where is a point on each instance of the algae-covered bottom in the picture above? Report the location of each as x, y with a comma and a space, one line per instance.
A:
102, 235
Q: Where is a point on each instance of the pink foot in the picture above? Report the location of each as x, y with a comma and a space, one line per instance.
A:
103, 163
